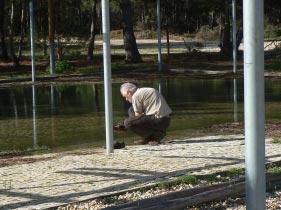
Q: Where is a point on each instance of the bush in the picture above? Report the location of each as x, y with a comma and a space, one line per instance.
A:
62, 66
271, 31
208, 34
274, 66
146, 34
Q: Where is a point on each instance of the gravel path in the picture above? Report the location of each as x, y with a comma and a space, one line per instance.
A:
67, 177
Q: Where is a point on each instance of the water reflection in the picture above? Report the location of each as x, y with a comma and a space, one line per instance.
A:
14, 102
35, 141
235, 108
62, 115
52, 99
96, 97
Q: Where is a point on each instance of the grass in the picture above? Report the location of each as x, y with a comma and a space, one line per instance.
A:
232, 173
195, 179
178, 181
109, 200
274, 168
276, 140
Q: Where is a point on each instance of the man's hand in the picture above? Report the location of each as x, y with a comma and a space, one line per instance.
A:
137, 114
119, 127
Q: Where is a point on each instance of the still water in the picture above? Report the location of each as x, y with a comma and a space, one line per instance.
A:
72, 116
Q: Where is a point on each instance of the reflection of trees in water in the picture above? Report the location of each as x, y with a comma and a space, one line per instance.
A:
96, 97
25, 105
35, 140
14, 102
53, 110
235, 109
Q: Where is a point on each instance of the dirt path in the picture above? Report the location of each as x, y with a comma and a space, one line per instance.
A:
68, 177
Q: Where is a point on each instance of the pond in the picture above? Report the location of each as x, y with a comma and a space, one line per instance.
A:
72, 116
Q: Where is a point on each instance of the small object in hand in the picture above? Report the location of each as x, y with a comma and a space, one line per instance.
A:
118, 145
119, 127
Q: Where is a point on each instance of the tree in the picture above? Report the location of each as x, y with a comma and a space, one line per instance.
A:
11, 33
94, 17
130, 45
2, 30
225, 43
22, 27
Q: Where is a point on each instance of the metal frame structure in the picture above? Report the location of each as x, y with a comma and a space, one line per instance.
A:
254, 103
32, 46
253, 91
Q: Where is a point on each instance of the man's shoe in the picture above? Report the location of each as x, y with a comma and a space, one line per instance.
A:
119, 127
118, 145
157, 137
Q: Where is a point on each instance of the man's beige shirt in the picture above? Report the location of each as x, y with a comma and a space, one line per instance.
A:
149, 101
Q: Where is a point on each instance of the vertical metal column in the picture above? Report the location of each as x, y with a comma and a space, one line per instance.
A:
107, 76
51, 35
159, 36
234, 31
254, 103
31, 19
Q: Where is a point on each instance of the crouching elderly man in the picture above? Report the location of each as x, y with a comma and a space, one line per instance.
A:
149, 115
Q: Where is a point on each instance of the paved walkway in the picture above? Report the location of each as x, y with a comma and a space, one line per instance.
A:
70, 177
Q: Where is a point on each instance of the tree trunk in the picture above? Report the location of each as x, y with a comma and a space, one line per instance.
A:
4, 54
91, 45
225, 43
130, 45
239, 36
11, 35
22, 28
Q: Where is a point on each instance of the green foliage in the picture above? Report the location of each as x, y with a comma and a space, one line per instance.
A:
207, 33
73, 54
275, 66
270, 30
187, 180
276, 140
210, 177
233, 172
117, 34
109, 200
178, 181
274, 169
146, 34
62, 66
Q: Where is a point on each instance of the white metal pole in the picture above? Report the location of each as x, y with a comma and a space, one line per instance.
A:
107, 76
51, 35
254, 103
159, 35
31, 18
234, 31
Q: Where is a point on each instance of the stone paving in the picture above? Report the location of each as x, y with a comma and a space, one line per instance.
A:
69, 177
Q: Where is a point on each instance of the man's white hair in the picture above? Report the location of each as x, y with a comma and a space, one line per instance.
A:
124, 88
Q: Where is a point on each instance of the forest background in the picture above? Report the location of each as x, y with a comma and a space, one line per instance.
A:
78, 29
